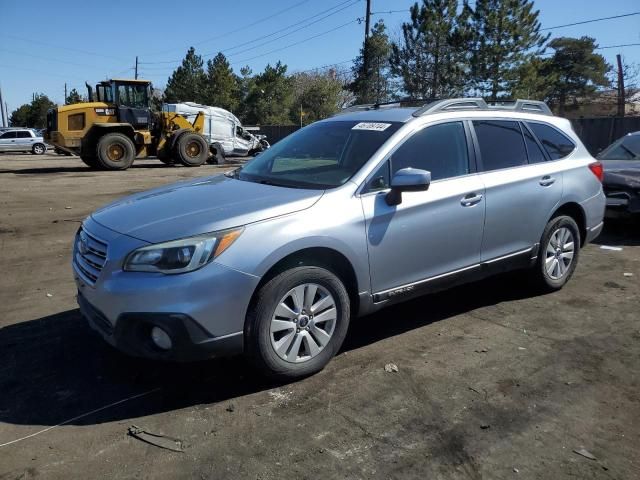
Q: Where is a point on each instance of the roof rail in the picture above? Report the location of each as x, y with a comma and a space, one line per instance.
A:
456, 104
403, 103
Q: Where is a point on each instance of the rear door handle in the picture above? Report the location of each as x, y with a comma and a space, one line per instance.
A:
471, 199
547, 181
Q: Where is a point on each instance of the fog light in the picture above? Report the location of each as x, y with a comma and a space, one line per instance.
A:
161, 339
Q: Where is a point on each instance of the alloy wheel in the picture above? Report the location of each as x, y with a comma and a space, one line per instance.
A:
303, 322
559, 253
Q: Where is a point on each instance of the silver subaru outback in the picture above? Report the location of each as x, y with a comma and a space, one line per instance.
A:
342, 218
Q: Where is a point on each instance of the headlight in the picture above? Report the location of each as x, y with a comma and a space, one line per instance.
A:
181, 256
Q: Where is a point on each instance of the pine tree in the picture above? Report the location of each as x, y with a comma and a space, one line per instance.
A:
222, 87
372, 82
575, 70
73, 97
317, 96
431, 59
187, 82
271, 96
506, 35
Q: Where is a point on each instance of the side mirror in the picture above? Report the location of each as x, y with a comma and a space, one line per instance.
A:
407, 180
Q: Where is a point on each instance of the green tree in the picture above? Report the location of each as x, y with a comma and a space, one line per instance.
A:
533, 80
372, 82
316, 96
271, 96
574, 71
222, 87
73, 97
34, 114
506, 34
431, 58
187, 82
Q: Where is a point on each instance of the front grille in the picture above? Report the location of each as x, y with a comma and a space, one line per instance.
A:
89, 255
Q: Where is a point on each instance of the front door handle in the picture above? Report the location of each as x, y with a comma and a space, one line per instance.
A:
471, 199
547, 181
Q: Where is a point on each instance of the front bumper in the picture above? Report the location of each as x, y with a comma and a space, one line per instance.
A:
132, 335
202, 311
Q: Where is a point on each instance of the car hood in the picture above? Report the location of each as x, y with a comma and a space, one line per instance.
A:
200, 206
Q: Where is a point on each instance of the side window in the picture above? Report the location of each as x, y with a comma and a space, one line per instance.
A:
8, 135
501, 144
440, 149
23, 134
536, 155
555, 143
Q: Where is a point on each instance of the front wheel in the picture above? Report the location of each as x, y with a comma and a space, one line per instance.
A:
116, 151
558, 254
298, 322
38, 149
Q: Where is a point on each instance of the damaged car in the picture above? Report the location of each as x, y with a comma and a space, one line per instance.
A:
621, 162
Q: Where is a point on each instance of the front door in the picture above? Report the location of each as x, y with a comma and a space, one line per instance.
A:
435, 233
7, 141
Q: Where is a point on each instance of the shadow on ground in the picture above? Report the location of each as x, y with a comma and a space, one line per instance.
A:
620, 232
56, 368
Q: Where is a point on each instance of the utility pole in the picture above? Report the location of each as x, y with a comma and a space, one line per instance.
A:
621, 99
367, 25
65, 93
3, 117
136, 67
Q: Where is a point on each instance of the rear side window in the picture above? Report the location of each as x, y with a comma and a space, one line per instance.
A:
501, 144
555, 143
440, 149
23, 134
535, 153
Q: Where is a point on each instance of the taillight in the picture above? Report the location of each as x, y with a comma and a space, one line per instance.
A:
597, 170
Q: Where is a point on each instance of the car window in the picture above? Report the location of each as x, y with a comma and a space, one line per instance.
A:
23, 134
627, 148
440, 149
8, 135
534, 152
379, 180
501, 144
555, 143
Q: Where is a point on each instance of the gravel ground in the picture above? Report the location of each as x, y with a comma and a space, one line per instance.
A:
493, 381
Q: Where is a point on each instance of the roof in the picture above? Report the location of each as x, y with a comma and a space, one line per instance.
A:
402, 114
128, 80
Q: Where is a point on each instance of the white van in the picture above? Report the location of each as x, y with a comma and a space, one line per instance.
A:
222, 128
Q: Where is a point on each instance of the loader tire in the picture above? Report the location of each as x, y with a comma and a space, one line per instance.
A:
191, 150
165, 157
116, 151
89, 161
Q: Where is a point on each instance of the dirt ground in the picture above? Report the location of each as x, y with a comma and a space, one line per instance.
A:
493, 381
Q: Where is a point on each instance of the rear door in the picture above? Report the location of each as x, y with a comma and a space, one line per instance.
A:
8, 141
24, 140
522, 187
433, 233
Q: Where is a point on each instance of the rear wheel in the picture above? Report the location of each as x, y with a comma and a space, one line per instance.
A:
298, 322
38, 149
191, 149
116, 151
558, 254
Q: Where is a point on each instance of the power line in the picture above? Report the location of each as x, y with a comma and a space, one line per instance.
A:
261, 20
592, 21
350, 2
296, 43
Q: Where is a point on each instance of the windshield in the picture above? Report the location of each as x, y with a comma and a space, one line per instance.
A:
627, 148
322, 155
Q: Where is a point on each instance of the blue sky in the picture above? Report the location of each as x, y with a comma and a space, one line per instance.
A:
44, 44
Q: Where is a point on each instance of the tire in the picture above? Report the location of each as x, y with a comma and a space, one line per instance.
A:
191, 149
91, 162
165, 157
39, 149
115, 151
218, 153
327, 335
558, 253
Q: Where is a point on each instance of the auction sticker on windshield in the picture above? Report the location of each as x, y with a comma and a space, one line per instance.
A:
377, 127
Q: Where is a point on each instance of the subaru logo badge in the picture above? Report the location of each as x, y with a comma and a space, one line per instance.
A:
83, 245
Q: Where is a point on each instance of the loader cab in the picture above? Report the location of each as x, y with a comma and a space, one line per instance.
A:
131, 99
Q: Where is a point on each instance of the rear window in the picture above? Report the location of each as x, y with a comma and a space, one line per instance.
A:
501, 144
627, 148
555, 143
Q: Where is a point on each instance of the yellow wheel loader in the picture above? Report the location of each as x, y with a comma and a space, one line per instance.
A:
117, 126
